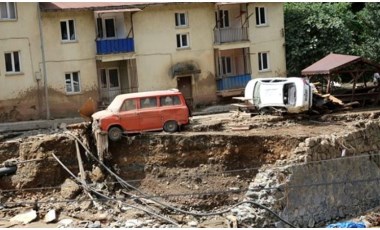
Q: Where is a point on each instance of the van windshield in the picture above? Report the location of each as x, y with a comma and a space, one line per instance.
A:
115, 105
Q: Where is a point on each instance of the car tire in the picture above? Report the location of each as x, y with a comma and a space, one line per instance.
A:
115, 133
170, 126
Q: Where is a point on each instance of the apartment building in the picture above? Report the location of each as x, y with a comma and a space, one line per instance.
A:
99, 50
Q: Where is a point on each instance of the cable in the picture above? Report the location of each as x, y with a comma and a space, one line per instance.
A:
106, 197
165, 205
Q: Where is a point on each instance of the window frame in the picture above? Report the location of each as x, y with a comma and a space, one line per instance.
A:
68, 31
13, 64
108, 79
72, 83
222, 19
175, 102
104, 27
8, 18
178, 19
181, 41
259, 16
224, 66
261, 63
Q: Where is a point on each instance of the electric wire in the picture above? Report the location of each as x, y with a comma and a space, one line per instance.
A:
109, 198
166, 205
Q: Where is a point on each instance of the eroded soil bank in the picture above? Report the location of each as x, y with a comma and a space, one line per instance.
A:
209, 166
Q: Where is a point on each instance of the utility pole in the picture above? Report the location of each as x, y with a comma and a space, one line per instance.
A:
43, 63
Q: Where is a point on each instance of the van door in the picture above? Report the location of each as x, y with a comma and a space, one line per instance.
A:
128, 116
149, 114
172, 109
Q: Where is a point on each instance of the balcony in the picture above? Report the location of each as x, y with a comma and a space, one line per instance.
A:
237, 82
224, 35
113, 46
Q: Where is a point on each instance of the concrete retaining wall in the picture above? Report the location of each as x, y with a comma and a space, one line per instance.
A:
328, 178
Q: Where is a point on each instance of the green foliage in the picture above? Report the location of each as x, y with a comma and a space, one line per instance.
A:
368, 42
314, 30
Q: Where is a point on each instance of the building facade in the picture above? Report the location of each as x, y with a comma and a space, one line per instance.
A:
99, 50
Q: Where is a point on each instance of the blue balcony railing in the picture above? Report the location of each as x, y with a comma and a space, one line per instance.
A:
233, 82
123, 45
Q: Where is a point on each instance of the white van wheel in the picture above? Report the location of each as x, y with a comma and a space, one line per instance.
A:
170, 126
115, 133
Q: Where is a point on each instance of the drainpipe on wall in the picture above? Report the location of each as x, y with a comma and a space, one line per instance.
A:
43, 63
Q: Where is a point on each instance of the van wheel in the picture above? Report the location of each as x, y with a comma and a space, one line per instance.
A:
170, 126
115, 133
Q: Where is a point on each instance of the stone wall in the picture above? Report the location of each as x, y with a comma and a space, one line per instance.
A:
327, 178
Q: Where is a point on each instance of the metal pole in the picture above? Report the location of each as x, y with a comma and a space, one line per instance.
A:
43, 63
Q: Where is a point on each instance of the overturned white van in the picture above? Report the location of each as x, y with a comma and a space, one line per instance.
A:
284, 95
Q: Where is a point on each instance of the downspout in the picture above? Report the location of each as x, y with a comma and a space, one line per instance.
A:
43, 63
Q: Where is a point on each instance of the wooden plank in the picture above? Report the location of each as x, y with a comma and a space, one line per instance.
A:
335, 100
240, 128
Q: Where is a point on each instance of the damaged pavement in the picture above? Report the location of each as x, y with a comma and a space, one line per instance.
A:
224, 170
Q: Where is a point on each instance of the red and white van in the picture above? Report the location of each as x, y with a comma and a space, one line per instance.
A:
144, 111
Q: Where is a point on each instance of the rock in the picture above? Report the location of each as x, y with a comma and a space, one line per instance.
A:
65, 223
25, 217
97, 175
133, 223
311, 223
193, 224
70, 189
96, 224
50, 216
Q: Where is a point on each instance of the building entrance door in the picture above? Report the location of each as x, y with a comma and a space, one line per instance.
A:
184, 85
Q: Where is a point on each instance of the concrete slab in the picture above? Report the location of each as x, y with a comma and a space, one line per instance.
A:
37, 124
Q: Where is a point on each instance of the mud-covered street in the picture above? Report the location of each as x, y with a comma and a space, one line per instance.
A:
198, 177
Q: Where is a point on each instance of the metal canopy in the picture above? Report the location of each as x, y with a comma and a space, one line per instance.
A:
330, 63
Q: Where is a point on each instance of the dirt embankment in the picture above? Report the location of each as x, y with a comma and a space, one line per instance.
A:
208, 165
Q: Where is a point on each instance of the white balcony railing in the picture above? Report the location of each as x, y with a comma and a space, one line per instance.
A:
224, 35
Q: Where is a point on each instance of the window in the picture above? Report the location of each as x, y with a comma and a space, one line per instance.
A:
108, 24
72, 82
226, 65
169, 100
180, 19
148, 102
182, 40
109, 78
12, 62
224, 20
7, 10
68, 30
263, 61
261, 16
128, 105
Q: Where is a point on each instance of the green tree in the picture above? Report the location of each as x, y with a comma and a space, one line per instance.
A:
314, 30
368, 42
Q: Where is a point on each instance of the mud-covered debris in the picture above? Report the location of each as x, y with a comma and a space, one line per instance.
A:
97, 175
133, 223
51, 216
65, 223
95, 224
70, 189
193, 224
25, 217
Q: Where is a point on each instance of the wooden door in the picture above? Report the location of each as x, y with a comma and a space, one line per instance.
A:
185, 87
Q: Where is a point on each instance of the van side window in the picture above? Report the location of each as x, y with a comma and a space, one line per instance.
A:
148, 102
169, 100
128, 105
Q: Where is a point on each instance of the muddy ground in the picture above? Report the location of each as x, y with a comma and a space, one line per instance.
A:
206, 167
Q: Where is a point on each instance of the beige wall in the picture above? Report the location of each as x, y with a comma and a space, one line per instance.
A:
268, 38
156, 52
64, 57
19, 96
